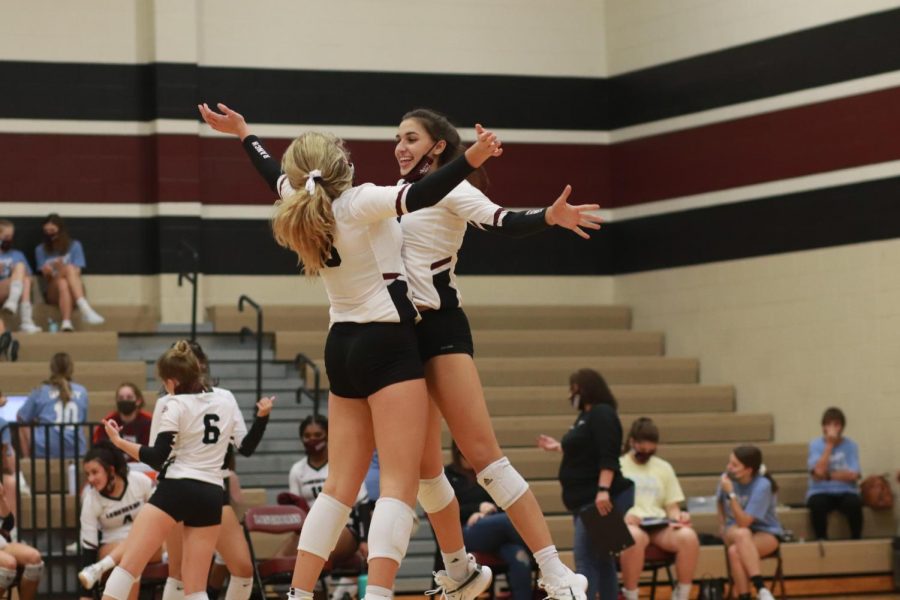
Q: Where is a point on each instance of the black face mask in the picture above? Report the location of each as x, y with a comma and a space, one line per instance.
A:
314, 447
6, 245
49, 237
422, 168
642, 457
126, 407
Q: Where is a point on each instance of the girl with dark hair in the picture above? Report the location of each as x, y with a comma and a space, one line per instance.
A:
350, 236
195, 428
656, 517
590, 473
109, 505
750, 527
61, 259
133, 420
59, 401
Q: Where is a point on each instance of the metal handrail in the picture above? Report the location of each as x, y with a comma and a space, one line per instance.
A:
301, 361
192, 278
259, 338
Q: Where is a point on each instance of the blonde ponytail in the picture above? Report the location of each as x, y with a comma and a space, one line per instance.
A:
61, 368
304, 221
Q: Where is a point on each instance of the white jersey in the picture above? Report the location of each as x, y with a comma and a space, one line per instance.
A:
365, 278
431, 240
204, 425
105, 519
307, 481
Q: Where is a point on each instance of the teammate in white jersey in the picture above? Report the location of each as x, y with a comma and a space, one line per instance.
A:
431, 240
109, 505
196, 426
350, 236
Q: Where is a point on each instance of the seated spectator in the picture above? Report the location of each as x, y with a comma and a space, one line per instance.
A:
750, 527
16, 554
656, 517
488, 529
833, 463
15, 280
61, 259
58, 401
109, 506
305, 482
129, 415
7, 459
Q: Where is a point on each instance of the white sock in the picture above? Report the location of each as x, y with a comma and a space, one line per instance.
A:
630, 594
26, 315
15, 292
374, 592
106, 563
549, 563
174, 589
239, 588
83, 304
197, 596
298, 594
457, 564
683, 591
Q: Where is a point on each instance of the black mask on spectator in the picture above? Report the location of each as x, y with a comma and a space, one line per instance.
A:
642, 457
49, 237
126, 407
6, 245
314, 447
422, 168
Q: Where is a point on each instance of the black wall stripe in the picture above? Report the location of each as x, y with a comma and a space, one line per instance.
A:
849, 214
831, 53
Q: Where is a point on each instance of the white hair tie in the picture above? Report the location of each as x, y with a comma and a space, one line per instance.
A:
762, 469
311, 180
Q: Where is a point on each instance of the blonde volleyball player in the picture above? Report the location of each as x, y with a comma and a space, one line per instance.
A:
195, 429
350, 236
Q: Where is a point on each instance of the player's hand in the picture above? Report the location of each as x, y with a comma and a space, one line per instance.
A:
603, 503
112, 430
264, 406
573, 218
545, 442
486, 145
228, 121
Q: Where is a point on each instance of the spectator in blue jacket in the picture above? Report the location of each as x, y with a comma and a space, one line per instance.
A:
15, 280
833, 464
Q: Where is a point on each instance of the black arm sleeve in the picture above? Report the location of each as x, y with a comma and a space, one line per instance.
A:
254, 435
520, 223
267, 166
607, 434
156, 455
432, 189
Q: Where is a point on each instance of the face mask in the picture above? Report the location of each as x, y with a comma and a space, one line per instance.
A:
6, 245
642, 457
49, 237
314, 447
575, 399
126, 407
422, 168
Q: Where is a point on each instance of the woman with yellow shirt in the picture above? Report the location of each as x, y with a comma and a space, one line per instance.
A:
656, 517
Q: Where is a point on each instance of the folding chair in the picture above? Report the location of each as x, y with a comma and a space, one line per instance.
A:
274, 520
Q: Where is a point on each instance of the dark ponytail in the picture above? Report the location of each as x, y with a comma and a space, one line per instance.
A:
751, 457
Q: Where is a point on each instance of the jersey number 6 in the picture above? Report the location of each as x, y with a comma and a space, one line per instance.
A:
210, 430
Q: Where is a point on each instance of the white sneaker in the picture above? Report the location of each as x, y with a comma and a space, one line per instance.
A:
10, 307
66, 325
90, 575
478, 580
91, 317
28, 327
571, 587
765, 594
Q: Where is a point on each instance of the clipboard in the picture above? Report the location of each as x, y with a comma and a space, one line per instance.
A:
609, 534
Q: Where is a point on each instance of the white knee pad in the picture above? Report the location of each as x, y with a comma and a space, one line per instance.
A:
7, 577
503, 482
239, 588
391, 528
323, 526
33, 572
435, 494
197, 596
174, 589
119, 584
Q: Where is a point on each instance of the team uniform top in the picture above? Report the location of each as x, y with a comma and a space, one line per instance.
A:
105, 519
10, 259
73, 256
365, 278
433, 236
306, 481
44, 405
204, 425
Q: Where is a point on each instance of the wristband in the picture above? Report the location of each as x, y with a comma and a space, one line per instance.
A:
603, 488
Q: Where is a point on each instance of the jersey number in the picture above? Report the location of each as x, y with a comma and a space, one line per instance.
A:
210, 430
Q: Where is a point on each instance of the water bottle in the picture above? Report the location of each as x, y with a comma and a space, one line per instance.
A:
361, 582
52, 326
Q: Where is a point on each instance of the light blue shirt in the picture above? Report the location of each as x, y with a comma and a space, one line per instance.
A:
74, 256
758, 501
10, 259
844, 457
45, 406
5, 436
